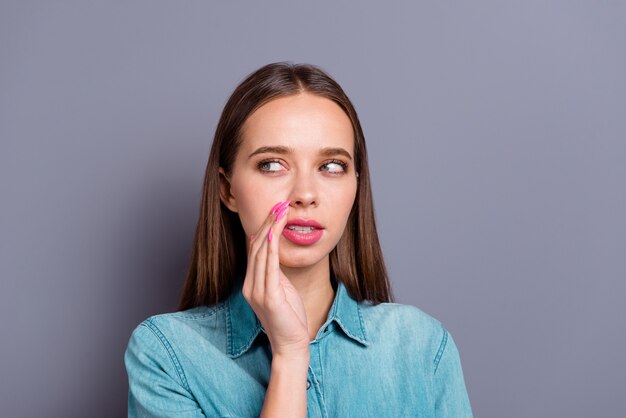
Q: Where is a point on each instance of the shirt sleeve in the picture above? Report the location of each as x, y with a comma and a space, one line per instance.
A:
450, 393
157, 386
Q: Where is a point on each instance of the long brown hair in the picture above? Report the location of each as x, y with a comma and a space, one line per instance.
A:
219, 246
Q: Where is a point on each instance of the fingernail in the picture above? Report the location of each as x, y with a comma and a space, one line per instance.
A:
282, 213
281, 210
269, 235
276, 207
283, 206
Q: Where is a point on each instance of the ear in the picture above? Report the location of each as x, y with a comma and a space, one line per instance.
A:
225, 193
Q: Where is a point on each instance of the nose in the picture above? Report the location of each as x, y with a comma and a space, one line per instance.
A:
304, 191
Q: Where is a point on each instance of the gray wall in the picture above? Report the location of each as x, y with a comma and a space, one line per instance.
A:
496, 133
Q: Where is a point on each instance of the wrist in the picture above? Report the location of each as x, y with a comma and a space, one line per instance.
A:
294, 351
292, 358
291, 368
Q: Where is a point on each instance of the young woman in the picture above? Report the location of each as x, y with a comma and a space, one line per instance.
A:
287, 309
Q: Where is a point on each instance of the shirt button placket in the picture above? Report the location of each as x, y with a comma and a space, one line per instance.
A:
315, 403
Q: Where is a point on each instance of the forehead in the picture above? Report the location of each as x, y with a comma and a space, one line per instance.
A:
304, 122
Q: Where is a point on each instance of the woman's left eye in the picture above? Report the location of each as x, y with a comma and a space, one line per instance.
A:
335, 166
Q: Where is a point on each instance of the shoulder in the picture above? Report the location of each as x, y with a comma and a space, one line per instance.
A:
422, 346
400, 316
156, 358
157, 343
198, 317
161, 334
407, 325
191, 318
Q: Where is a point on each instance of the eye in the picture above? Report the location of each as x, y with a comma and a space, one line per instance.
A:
271, 166
336, 167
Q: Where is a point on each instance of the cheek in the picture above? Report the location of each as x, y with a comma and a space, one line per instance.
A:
342, 198
340, 202
252, 201
246, 196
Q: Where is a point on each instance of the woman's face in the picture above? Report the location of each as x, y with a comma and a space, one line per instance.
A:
299, 148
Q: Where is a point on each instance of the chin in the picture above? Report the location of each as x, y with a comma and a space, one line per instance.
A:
301, 257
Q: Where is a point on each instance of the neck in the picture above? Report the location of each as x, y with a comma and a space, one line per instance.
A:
314, 286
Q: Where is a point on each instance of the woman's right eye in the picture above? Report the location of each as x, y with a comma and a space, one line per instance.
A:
269, 166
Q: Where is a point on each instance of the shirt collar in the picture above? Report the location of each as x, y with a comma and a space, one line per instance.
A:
243, 326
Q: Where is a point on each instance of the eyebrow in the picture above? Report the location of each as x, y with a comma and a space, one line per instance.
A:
324, 152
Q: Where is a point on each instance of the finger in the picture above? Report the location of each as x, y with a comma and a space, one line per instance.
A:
260, 266
272, 275
259, 258
248, 281
259, 233
270, 218
255, 243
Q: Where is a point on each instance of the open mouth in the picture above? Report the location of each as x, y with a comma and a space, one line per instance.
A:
301, 229
303, 232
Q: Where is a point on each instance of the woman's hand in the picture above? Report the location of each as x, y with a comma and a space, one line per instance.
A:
269, 292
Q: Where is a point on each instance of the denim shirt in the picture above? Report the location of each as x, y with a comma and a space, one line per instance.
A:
387, 360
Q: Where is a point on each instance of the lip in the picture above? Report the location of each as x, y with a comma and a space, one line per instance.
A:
304, 222
303, 239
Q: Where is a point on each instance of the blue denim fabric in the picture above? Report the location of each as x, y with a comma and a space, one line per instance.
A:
386, 360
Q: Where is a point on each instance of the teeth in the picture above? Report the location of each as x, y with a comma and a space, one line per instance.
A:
301, 229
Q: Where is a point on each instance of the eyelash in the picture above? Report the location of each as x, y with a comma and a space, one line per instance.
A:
343, 165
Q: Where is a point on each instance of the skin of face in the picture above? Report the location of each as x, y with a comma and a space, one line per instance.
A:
319, 187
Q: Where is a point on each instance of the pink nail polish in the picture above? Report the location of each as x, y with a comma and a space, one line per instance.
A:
276, 207
269, 235
282, 213
284, 205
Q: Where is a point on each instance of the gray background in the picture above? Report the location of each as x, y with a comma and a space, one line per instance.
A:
496, 133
